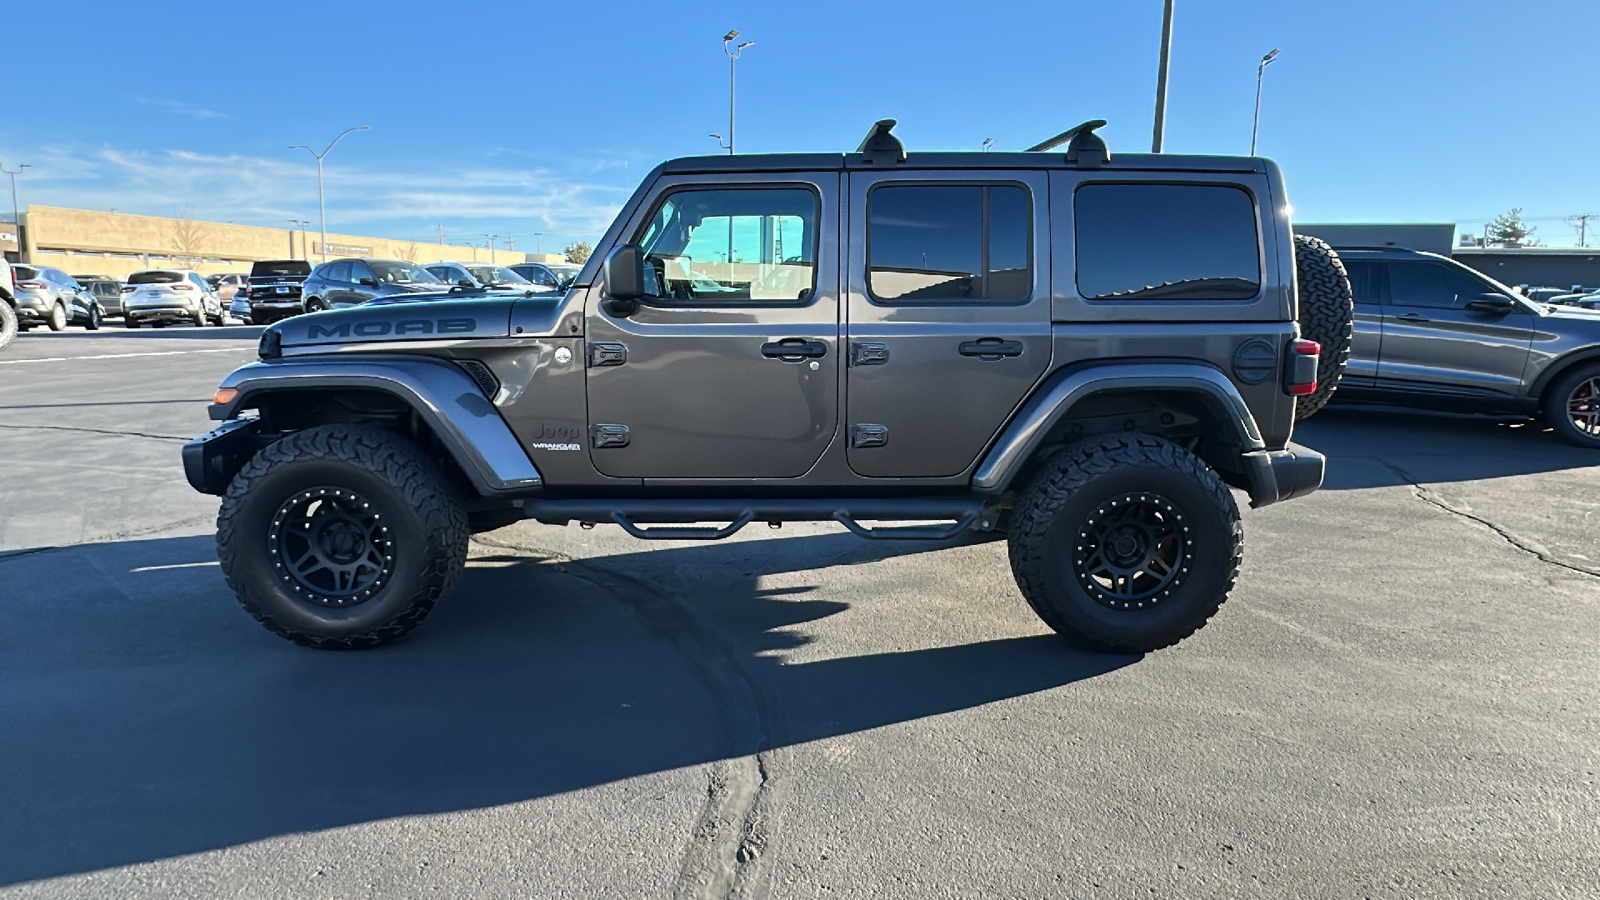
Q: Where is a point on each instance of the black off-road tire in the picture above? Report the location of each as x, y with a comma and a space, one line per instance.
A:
58, 317
1574, 393
8, 324
1327, 316
1085, 487
423, 543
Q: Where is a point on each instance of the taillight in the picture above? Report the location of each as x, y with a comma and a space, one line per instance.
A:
182, 287
36, 285
1302, 368
128, 289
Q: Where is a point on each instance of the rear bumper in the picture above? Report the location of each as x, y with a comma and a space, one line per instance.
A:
211, 460
1276, 475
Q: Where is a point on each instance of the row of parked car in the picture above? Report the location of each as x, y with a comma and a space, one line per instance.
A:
1577, 295
44, 296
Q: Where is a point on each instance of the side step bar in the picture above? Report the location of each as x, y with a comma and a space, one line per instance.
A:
739, 512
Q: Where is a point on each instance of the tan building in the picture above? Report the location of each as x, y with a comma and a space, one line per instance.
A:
86, 242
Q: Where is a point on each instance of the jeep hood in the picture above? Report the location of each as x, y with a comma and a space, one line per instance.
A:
442, 319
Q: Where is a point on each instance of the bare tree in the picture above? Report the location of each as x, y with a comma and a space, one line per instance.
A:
406, 251
188, 238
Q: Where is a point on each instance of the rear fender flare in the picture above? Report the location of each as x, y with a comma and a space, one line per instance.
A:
1062, 391
440, 393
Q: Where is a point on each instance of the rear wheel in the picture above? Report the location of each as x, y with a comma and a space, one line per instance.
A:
1327, 312
58, 317
8, 325
316, 304
1572, 406
340, 536
1126, 544
199, 317
94, 318
129, 321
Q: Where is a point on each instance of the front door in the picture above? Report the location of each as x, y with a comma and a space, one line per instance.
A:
948, 316
1432, 340
731, 369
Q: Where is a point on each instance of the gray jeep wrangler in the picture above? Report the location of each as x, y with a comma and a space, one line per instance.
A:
1078, 351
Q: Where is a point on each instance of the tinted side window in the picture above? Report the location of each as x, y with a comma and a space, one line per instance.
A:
1431, 284
1166, 242
358, 271
1363, 282
949, 242
339, 271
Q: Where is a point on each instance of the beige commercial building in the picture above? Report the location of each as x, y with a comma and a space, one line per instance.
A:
86, 242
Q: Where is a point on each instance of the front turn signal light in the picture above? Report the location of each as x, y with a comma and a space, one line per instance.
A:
224, 395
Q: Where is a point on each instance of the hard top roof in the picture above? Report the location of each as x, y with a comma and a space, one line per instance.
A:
812, 162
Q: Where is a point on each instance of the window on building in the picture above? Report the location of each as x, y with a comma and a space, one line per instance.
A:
939, 243
1179, 242
734, 245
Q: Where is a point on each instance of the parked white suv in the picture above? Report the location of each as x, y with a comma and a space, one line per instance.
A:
160, 296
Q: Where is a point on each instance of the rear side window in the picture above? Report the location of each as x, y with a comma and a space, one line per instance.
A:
1364, 282
932, 243
155, 278
1178, 242
1431, 284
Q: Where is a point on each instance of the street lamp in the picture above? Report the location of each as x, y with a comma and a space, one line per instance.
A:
987, 144
491, 239
1161, 80
322, 208
733, 57
16, 214
1256, 124
302, 223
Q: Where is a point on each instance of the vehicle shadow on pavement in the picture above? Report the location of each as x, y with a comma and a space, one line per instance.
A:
116, 331
146, 717
1381, 447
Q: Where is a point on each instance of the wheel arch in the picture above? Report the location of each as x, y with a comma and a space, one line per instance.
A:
1561, 367
1183, 401
434, 399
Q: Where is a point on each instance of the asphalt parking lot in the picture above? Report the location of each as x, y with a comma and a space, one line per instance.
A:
1402, 698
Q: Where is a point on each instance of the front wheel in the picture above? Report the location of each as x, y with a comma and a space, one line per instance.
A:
1572, 406
93, 324
1126, 544
58, 317
340, 536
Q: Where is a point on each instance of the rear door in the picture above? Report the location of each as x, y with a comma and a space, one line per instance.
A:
948, 314
1366, 347
1432, 340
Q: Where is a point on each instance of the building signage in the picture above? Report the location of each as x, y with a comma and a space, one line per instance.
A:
340, 250
8, 239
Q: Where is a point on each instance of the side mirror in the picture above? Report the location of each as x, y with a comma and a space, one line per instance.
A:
625, 279
1491, 302
369, 282
464, 283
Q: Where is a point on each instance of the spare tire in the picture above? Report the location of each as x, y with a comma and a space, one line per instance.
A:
1326, 313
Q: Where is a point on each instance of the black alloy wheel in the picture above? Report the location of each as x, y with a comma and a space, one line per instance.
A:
330, 546
1132, 551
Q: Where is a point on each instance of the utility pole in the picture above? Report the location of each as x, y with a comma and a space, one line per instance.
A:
16, 214
491, 239
1581, 222
322, 208
441, 234
538, 242
1161, 80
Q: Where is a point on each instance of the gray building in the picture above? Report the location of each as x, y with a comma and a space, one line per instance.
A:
1433, 237
1561, 267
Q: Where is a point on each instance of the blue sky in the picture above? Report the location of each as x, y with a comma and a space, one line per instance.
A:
524, 117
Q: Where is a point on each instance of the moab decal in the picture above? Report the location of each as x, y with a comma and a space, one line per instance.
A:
404, 327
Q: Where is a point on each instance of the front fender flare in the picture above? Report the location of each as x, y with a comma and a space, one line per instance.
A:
444, 396
1056, 397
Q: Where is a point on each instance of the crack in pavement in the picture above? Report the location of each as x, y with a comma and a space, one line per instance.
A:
139, 434
741, 811
1422, 493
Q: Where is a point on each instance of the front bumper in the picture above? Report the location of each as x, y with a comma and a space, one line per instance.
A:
1276, 475
210, 460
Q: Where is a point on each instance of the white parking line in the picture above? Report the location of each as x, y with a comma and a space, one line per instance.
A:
175, 566
18, 362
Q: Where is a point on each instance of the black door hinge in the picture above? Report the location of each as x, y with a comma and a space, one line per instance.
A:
603, 437
869, 353
869, 435
604, 354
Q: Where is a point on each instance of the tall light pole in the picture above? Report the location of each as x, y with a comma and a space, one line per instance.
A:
490, 238
538, 242
301, 224
1161, 80
322, 208
16, 214
733, 57
1255, 125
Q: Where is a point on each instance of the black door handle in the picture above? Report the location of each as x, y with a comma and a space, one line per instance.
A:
1412, 317
991, 348
794, 348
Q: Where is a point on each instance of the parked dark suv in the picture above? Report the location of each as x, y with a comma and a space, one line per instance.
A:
352, 282
1078, 350
273, 289
1430, 332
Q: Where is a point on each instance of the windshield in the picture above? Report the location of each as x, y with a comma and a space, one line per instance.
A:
565, 273
280, 267
155, 278
496, 275
402, 273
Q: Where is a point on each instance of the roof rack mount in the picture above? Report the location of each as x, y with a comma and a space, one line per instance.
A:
1085, 149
